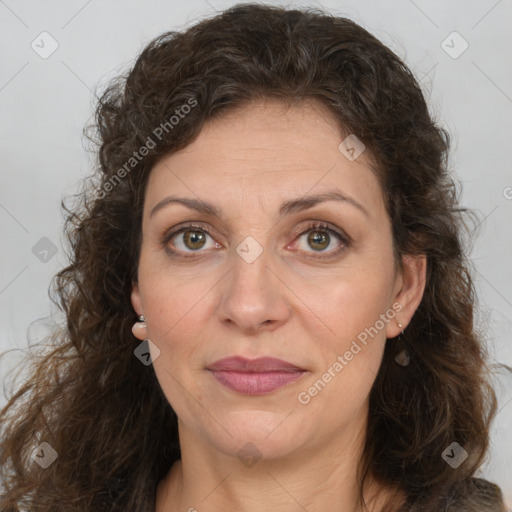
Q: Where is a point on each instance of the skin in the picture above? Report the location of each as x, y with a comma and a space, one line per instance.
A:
285, 304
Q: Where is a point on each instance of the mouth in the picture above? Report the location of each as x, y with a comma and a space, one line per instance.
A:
256, 376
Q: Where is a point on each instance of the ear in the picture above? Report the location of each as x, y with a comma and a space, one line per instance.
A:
136, 300
409, 288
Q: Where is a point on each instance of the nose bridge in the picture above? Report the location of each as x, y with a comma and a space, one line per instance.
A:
252, 296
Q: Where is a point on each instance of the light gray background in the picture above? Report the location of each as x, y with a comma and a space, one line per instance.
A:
45, 103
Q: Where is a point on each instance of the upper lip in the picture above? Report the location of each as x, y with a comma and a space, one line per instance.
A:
261, 364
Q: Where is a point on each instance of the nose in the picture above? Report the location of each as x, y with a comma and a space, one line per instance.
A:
253, 297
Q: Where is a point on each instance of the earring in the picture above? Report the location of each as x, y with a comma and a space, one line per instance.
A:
137, 326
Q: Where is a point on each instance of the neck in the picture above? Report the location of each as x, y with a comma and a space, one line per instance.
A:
322, 477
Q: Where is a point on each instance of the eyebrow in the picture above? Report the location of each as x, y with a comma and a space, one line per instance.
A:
294, 205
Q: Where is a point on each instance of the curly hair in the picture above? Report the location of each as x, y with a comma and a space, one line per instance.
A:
105, 414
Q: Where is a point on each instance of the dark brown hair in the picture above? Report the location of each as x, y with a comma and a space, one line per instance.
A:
104, 412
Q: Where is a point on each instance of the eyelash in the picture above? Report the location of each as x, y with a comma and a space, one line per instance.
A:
314, 225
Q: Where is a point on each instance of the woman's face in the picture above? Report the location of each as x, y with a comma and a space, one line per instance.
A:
267, 271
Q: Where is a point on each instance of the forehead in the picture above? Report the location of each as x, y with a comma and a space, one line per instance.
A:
263, 152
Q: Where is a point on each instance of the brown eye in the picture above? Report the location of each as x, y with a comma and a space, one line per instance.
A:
188, 239
194, 239
319, 240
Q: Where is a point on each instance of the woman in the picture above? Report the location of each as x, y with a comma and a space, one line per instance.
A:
268, 304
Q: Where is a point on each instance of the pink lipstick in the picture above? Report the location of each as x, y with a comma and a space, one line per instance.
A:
254, 376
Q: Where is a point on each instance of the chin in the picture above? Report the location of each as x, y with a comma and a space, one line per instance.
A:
261, 434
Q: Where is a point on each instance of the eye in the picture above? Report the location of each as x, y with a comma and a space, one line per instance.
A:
320, 238
192, 238
189, 238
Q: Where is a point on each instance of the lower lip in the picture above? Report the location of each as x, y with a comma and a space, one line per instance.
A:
255, 383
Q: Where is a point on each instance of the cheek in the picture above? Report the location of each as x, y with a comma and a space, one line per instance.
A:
363, 310
357, 310
339, 388
173, 297
176, 311
175, 326
348, 304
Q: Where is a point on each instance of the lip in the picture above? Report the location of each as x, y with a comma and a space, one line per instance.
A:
261, 364
254, 376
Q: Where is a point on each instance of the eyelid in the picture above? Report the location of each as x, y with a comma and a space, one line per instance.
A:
176, 230
322, 225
